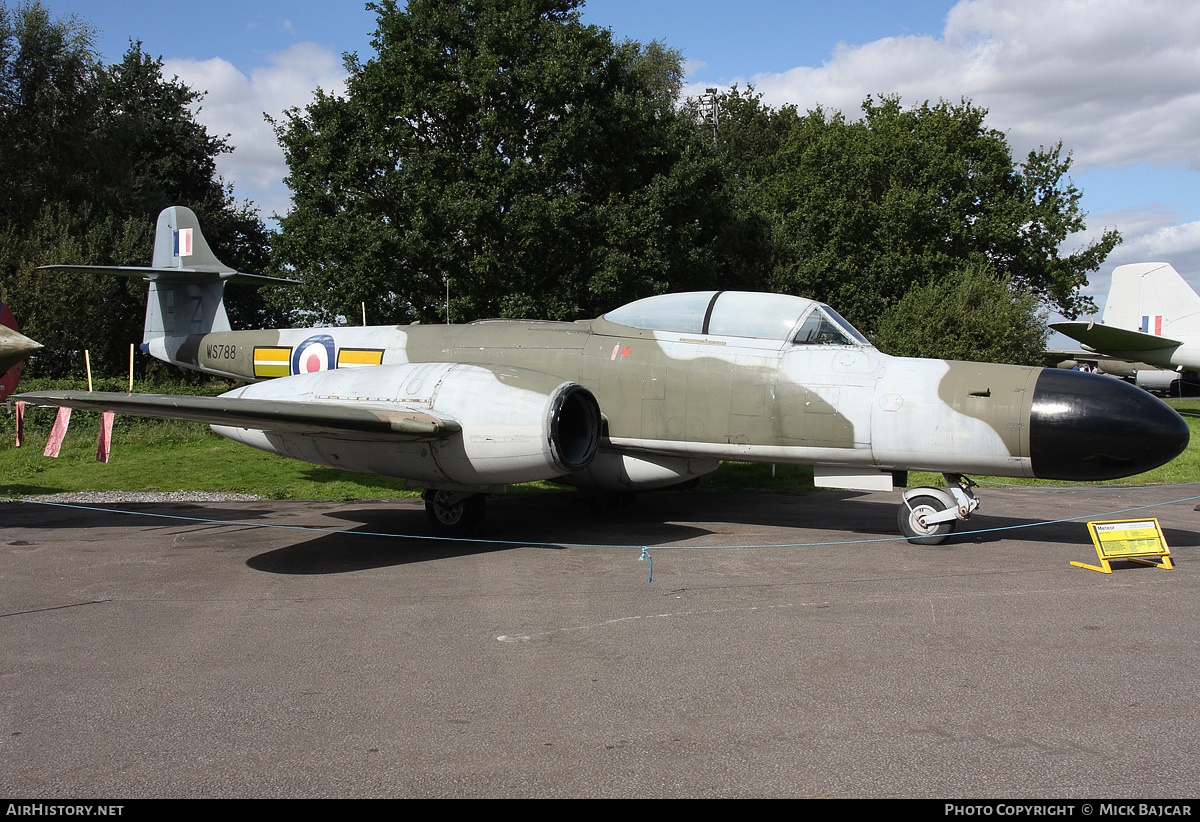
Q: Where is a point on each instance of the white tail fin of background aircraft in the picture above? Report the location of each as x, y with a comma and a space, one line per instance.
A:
1152, 298
1151, 315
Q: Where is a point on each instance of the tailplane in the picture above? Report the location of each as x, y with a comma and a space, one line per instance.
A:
1152, 298
187, 284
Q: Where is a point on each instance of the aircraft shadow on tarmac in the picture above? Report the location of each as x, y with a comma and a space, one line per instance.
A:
57, 516
385, 535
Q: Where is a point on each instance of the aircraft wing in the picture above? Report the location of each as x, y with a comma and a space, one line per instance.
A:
339, 420
1110, 338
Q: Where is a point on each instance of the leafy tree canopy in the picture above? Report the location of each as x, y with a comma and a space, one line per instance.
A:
862, 212
89, 154
504, 146
973, 314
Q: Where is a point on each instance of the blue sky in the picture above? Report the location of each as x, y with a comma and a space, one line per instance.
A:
1117, 82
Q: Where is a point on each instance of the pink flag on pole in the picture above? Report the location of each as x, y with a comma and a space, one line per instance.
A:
57, 432
105, 444
20, 421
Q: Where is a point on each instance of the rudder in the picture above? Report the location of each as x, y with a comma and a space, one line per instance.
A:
183, 303
1152, 298
179, 243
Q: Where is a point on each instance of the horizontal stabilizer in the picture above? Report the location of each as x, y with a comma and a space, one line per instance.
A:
330, 419
1107, 338
169, 275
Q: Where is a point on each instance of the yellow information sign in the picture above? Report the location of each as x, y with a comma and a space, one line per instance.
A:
1137, 540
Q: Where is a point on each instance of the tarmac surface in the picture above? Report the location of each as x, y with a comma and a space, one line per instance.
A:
766, 645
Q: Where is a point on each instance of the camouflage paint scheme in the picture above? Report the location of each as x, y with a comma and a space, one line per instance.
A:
708, 396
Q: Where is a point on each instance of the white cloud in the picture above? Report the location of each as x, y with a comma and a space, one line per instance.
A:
1153, 235
1117, 82
236, 103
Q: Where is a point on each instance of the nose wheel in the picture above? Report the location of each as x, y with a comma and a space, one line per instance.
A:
928, 515
918, 523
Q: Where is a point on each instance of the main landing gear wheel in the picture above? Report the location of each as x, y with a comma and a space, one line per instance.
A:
912, 523
452, 512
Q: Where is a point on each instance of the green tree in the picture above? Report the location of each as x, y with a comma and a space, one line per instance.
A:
48, 71
148, 156
88, 157
507, 147
83, 312
861, 212
972, 314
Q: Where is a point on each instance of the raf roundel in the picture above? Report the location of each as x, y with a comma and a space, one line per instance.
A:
314, 354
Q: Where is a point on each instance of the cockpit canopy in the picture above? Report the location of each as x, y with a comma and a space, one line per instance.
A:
757, 315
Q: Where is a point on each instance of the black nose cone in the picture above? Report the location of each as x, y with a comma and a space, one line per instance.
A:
1095, 427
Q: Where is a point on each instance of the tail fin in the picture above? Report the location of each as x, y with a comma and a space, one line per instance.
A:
187, 281
187, 284
179, 244
1154, 299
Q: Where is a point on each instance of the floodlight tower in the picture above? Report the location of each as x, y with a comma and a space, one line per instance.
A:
709, 100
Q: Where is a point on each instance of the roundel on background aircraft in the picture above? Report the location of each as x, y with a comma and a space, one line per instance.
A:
314, 354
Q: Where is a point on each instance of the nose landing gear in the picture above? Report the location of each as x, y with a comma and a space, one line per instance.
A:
928, 515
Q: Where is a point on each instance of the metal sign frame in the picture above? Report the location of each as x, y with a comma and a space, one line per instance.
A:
1136, 540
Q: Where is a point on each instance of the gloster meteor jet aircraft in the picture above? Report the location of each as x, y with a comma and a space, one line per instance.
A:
650, 395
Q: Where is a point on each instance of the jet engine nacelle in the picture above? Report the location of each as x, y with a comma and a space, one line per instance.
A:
515, 425
614, 471
1155, 379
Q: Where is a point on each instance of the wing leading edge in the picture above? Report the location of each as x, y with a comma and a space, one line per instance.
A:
1110, 338
338, 420
169, 275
